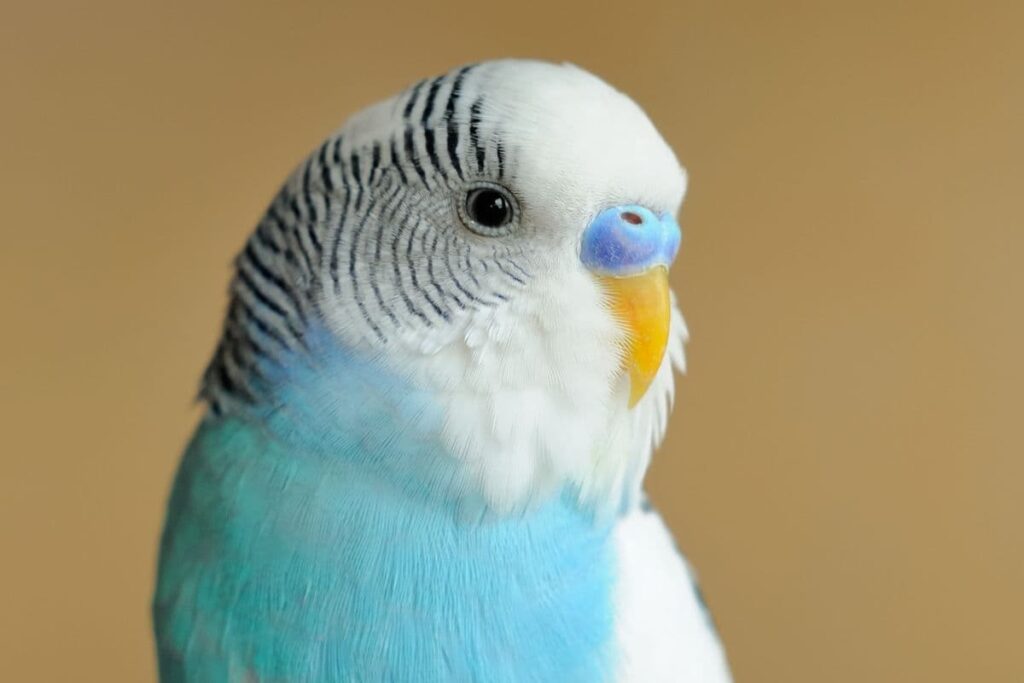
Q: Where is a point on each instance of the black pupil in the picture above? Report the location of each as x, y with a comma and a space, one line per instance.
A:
489, 208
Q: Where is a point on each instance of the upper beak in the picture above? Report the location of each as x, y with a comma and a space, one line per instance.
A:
629, 250
641, 304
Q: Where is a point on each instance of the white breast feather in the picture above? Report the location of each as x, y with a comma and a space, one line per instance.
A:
534, 398
663, 632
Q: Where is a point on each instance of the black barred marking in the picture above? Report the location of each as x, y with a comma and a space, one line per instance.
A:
412, 308
248, 261
432, 275
374, 162
428, 108
286, 228
452, 129
469, 266
295, 209
265, 241
446, 247
336, 155
456, 92
374, 262
415, 280
380, 302
229, 384
387, 215
239, 315
279, 205
325, 170
501, 160
253, 318
353, 162
396, 161
311, 226
410, 151
266, 273
515, 264
245, 282
474, 133
413, 96
307, 197
335, 275
244, 354
352, 271
245, 370
509, 273
452, 143
302, 216
428, 137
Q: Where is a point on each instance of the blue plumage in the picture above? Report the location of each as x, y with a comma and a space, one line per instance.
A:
302, 545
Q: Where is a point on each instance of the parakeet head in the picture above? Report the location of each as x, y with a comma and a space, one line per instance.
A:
497, 237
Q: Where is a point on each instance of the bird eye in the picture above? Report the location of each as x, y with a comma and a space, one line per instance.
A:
489, 210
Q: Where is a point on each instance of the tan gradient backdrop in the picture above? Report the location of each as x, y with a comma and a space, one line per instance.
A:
845, 462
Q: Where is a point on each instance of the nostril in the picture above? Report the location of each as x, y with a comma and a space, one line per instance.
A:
631, 218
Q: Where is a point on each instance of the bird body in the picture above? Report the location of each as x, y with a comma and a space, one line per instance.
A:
423, 457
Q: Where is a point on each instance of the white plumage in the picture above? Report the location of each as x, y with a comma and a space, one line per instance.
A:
663, 630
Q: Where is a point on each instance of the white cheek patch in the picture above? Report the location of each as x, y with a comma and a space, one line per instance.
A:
534, 400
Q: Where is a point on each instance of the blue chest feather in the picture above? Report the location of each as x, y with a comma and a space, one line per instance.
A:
297, 552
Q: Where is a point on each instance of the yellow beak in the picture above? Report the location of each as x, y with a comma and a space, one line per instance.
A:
642, 305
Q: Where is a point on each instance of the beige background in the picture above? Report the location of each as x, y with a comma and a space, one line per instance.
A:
845, 463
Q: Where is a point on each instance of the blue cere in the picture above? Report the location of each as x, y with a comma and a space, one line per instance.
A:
627, 240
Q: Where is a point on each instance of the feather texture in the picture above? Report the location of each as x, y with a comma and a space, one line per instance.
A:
342, 557
418, 463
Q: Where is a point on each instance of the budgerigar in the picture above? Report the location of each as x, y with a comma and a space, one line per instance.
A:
447, 357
